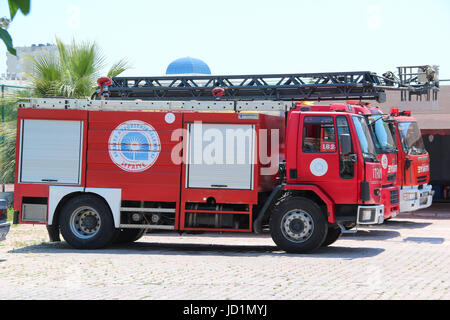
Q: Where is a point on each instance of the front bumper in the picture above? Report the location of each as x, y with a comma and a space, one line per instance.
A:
4, 229
370, 215
413, 198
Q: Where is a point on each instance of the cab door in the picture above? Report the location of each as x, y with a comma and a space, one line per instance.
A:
322, 159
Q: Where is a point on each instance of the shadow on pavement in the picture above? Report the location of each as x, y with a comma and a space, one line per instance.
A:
425, 240
191, 249
375, 235
405, 224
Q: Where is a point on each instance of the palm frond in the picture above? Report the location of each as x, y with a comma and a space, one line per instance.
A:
74, 72
118, 67
47, 67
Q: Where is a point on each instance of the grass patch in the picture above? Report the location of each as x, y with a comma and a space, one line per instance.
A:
10, 214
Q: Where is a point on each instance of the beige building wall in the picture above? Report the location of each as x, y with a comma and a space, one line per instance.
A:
429, 114
20, 65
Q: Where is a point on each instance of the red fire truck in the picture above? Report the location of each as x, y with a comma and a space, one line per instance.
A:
414, 163
385, 148
103, 176
148, 158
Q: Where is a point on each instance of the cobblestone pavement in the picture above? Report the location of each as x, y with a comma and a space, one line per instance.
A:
407, 258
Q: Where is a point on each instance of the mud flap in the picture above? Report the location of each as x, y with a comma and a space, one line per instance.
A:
53, 233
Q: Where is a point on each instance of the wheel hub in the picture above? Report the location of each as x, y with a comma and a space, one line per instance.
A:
85, 222
297, 226
89, 222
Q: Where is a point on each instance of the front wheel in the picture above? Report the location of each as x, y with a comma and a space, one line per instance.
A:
86, 222
298, 225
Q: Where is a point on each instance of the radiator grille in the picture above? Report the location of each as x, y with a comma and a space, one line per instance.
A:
392, 177
395, 197
421, 179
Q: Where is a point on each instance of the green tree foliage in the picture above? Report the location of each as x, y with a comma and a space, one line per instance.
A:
14, 6
8, 135
7, 151
73, 73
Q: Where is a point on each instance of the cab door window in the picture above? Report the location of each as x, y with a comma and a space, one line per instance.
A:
346, 160
319, 135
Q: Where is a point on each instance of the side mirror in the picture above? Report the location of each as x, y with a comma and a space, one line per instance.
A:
345, 141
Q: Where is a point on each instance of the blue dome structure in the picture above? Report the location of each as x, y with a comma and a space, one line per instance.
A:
188, 65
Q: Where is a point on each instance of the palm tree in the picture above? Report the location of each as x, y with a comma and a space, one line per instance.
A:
8, 135
7, 151
71, 74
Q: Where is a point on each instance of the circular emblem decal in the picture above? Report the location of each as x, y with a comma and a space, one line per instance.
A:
134, 146
170, 118
319, 167
384, 162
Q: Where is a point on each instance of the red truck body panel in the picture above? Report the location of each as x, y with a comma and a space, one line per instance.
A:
22, 190
140, 161
161, 182
165, 180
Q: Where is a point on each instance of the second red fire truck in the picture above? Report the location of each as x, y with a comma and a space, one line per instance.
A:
414, 163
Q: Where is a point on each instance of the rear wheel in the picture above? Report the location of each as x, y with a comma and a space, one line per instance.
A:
298, 225
333, 235
129, 235
86, 222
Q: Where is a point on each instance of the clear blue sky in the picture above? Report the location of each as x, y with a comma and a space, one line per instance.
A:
248, 36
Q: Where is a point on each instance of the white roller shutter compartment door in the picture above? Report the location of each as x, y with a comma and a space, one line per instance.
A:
225, 175
51, 152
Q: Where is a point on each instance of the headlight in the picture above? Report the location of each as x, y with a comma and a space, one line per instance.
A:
367, 215
410, 196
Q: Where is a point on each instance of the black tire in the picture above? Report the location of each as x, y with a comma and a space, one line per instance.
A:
129, 236
306, 217
101, 220
333, 235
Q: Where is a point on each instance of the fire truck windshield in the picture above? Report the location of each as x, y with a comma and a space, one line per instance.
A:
382, 136
365, 139
411, 138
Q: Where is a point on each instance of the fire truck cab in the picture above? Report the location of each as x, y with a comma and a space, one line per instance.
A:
384, 148
414, 163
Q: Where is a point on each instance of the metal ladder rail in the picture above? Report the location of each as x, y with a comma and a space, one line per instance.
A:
303, 86
128, 105
308, 86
